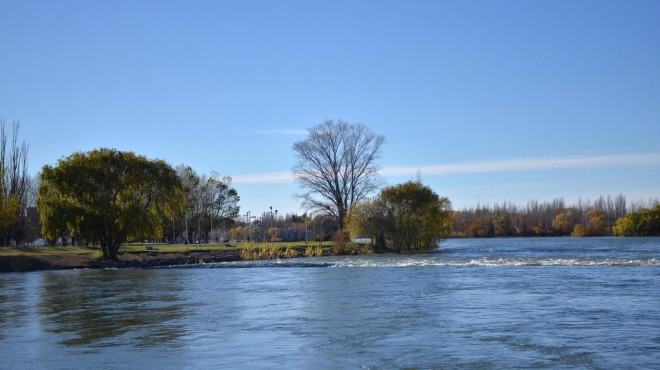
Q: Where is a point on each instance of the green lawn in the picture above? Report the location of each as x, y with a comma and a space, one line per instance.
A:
7, 251
142, 247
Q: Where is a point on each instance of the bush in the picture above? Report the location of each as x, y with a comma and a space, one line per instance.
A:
97, 255
312, 251
340, 243
290, 253
265, 252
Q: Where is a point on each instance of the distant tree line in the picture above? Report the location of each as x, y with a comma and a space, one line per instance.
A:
270, 227
554, 218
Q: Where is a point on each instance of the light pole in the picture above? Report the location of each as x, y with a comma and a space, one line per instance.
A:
270, 222
320, 230
276, 231
212, 204
247, 222
186, 216
260, 221
250, 227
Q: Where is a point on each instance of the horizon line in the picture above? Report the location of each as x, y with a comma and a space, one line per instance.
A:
507, 165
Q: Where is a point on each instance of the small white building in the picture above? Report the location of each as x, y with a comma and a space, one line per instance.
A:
39, 243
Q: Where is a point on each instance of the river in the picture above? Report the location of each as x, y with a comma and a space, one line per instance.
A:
560, 303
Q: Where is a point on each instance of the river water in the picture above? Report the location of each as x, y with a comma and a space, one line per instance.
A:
476, 303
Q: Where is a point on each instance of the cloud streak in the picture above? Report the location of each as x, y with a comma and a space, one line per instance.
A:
508, 165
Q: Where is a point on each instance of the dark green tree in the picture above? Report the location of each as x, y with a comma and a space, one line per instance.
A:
108, 196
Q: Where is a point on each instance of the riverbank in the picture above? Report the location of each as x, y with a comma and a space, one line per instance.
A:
30, 262
155, 255
61, 258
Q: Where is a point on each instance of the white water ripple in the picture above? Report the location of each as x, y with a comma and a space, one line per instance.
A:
498, 262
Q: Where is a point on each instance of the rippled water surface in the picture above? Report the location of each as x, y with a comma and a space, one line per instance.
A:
489, 303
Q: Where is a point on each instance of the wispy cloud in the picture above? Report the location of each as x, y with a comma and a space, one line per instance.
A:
526, 164
507, 165
282, 132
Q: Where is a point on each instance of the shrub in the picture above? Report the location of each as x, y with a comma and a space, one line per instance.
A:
249, 252
97, 255
340, 243
290, 253
312, 251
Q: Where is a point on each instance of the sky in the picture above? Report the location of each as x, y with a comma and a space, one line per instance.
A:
490, 101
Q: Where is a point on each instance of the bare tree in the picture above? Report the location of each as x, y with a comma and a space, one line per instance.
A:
14, 178
336, 166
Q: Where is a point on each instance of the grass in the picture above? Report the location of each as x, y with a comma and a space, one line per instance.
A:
157, 248
22, 251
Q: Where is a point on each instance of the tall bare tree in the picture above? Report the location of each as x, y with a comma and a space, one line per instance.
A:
14, 180
336, 166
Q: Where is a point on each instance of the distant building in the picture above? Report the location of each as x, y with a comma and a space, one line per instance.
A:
39, 243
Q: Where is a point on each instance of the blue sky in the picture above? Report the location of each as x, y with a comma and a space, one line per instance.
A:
491, 101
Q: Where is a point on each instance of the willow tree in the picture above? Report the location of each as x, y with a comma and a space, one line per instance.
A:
108, 196
336, 167
408, 217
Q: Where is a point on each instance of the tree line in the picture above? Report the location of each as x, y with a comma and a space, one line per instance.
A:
109, 197
551, 218
208, 203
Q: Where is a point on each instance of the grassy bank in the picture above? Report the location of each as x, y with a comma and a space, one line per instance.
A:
144, 247
151, 255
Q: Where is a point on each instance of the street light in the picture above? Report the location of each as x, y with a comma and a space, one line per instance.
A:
275, 231
247, 221
259, 221
270, 223
320, 231
250, 227
311, 217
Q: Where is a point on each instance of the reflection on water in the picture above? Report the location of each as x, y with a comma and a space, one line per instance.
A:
105, 308
12, 301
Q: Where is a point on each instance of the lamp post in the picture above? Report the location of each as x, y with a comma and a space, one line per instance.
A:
250, 227
311, 217
247, 222
186, 216
270, 221
212, 208
320, 231
276, 230
259, 221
